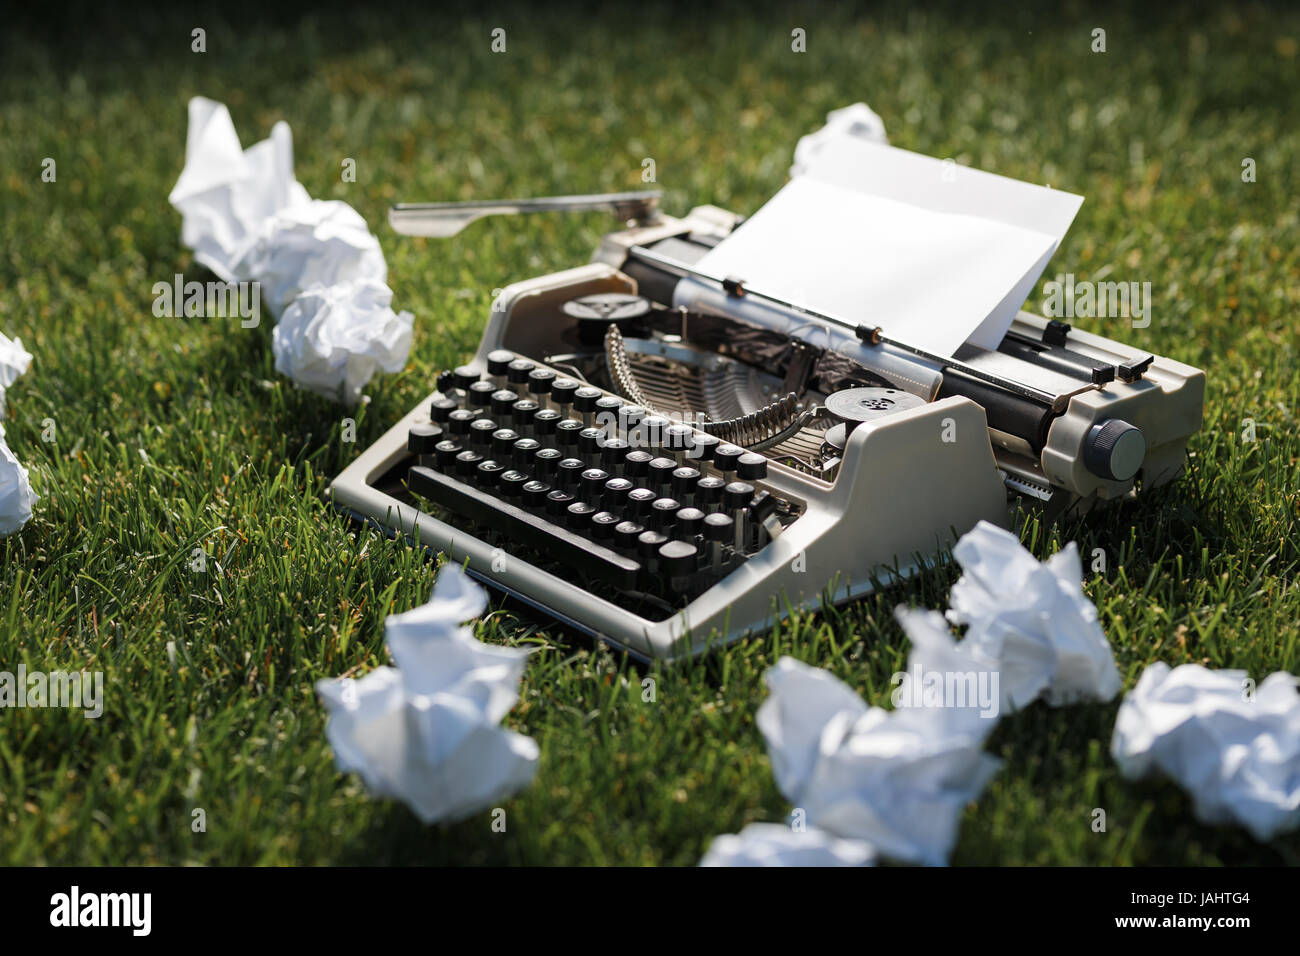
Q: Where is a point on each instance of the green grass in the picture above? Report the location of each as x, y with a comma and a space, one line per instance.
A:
177, 433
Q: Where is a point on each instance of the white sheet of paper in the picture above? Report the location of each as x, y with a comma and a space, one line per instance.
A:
934, 253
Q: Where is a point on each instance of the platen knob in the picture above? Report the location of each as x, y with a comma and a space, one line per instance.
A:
1114, 449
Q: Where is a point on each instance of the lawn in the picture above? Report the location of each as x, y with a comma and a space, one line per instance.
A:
174, 434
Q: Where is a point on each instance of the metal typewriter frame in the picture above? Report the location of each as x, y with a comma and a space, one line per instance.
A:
908, 485
813, 559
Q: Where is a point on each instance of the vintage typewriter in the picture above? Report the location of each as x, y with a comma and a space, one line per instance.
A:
668, 460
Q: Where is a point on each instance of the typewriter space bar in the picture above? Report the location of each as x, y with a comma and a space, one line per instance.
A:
525, 527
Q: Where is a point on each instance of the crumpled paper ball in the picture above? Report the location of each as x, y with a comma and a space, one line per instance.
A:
941, 672
16, 496
857, 121
248, 220
319, 243
426, 732
332, 339
226, 193
1031, 618
898, 780
772, 844
14, 361
1236, 753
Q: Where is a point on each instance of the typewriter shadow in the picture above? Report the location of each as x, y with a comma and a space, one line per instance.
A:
1183, 518
292, 421
395, 837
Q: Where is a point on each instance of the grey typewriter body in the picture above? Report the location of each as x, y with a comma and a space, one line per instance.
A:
783, 458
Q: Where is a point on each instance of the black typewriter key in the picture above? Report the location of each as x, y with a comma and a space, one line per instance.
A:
735, 497
751, 467
440, 409
562, 390
540, 380
480, 395
539, 383
545, 461
677, 560
558, 501
502, 401
517, 371
523, 451
640, 501
503, 443
535, 492
660, 472
690, 522
679, 439
589, 442
648, 545
445, 382
718, 528
704, 447
498, 362
445, 452
489, 473
614, 494
566, 432
466, 463
544, 422
458, 421
708, 491
737, 494
585, 398
421, 438
602, 525
625, 535
652, 432
725, 457
567, 472
480, 432
663, 513
521, 414
612, 453
512, 483
584, 402
607, 407
578, 515
592, 482
683, 482
464, 377
637, 464
629, 417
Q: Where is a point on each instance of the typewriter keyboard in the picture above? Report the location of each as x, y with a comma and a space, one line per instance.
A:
603, 492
